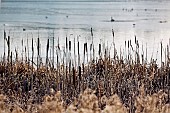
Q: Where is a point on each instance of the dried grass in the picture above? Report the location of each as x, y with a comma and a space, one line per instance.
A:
104, 85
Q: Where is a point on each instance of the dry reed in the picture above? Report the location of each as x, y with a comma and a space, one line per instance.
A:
104, 85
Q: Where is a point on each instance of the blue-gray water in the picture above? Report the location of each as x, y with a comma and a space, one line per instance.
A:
148, 20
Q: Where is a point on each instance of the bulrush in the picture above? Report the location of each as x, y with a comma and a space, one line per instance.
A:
95, 84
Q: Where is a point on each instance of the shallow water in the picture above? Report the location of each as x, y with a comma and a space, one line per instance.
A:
148, 20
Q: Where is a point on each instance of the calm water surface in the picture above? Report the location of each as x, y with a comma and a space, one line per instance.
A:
149, 21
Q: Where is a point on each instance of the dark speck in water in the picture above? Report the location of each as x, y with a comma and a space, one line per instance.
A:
163, 21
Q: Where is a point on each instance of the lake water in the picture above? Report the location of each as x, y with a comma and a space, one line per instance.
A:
148, 20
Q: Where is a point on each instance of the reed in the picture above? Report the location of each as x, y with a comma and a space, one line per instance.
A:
22, 49
47, 50
53, 50
4, 44
118, 83
8, 44
38, 51
28, 51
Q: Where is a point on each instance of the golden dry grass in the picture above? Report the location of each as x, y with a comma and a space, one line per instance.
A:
104, 85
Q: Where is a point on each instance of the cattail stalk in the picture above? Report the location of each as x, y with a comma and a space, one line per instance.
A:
53, 50
4, 44
161, 53
11, 60
69, 56
22, 49
146, 54
16, 55
92, 34
84, 52
74, 77
79, 75
78, 52
113, 34
32, 63
74, 53
90, 52
8, 43
128, 50
47, 49
38, 53
25, 54
28, 51
66, 51
167, 55
99, 50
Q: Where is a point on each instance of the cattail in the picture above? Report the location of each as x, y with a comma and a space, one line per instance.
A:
137, 44
50, 57
161, 53
32, 64
84, 48
22, 49
167, 55
92, 34
4, 43
146, 53
25, 53
66, 43
79, 73
28, 51
57, 61
131, 45
53, 50
16, 54
78, 53
91, 51
8, 44
38, 47
125, 49
78, 48
69, 56
70, 70
47, 49
69, 45
99, 49
84, 51
38, 52
128, 50
91, 47
74, 53
74, 77
32, 52
11, 59
113, 35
